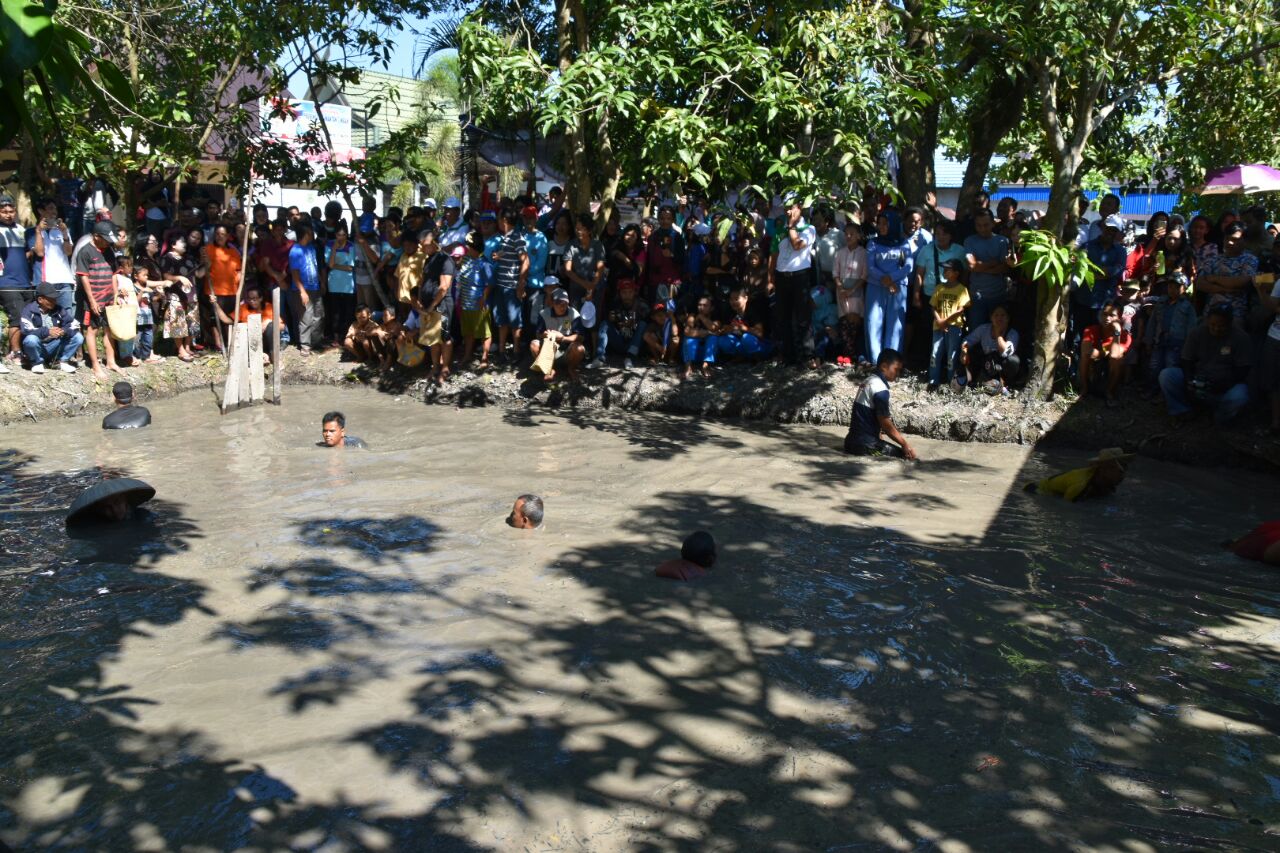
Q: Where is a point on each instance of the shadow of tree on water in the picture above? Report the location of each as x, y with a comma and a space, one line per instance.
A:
828, 687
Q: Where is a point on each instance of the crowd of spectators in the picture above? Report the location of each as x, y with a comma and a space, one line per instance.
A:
1183, 310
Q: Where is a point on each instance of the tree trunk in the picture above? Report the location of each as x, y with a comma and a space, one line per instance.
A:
571, 33
1049, 300
990, 120
919, 139
26, 180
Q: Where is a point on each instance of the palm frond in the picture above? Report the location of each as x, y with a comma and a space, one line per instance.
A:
439, 36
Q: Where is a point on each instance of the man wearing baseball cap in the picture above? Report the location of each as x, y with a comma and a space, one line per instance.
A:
15, 276
454, 231
49, 332
95, 292
560, 326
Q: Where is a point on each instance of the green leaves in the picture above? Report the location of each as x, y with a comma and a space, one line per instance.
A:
1048, 261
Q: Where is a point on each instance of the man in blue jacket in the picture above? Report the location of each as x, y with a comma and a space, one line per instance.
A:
49, 333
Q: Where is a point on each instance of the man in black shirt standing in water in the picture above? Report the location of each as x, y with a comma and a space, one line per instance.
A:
126, 415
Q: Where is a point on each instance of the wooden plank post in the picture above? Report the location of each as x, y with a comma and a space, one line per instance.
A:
276, 355
253, 357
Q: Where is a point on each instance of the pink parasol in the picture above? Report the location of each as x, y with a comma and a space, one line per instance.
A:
1241, 180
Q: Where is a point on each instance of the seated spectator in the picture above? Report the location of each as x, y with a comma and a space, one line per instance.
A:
700, 327
126, 415
1097, 479
989, 354
560, 326
823, 321
1105, 342
1261, 544
49, 333
742, 329
1215, 367
872, 419
662, 335
948, 302
364, 339
697, 556
624, 326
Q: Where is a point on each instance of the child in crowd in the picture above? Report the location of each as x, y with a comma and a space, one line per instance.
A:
662, 337
850, 274
823, 322
1106, 342
144, 350
1172, 320
949, 301
127, 295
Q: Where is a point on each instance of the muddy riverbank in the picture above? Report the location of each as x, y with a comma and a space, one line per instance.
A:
767, 393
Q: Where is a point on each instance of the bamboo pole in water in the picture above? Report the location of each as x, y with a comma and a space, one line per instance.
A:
232, 354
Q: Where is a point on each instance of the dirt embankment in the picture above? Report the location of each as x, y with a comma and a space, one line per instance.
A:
771, 393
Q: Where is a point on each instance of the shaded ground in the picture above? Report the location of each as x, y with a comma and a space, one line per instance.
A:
890, 657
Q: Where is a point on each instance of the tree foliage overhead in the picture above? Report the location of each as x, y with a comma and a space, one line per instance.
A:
710, 93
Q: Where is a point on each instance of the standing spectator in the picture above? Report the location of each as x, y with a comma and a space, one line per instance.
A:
987, 255
665, 257
1271, 347
928, 264
850, 273
947, 304
340, 261
223, 261
475, 288
51, 244
508, 254
584, 268
1257, 239
453, 236
792, 274
1227, 277
1215, 367
967, 227
96, 196
552, 210
15, 277
1108, 253
68, 192
49, 331
558, 243
304, 293
369, 292
1203, 248
96, 292
830, 240
182, 315
889, 269
1171, 323
142, 284
535, 246
913, 229
435, 305
1107, 208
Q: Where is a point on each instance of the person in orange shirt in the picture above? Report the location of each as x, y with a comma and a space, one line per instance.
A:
255, 304
697, 556
223, 261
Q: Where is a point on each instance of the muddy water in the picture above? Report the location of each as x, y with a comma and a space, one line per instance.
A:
334, 650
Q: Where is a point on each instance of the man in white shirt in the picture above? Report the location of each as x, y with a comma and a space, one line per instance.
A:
51, 243
792, 276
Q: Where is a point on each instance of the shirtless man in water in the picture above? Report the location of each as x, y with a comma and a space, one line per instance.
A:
333, 432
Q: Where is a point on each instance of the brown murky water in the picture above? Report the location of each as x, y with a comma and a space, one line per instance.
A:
335, 650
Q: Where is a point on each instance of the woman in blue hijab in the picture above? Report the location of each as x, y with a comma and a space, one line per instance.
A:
889, 267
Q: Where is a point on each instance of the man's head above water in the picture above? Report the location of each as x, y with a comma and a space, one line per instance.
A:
526, 513
333, 429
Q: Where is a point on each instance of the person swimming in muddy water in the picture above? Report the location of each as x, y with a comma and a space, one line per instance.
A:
109, 502
333, 432
1262, 544
1096, 480
127, 415
526, 513
697, 556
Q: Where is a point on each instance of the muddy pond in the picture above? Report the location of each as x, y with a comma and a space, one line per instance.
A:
313, 649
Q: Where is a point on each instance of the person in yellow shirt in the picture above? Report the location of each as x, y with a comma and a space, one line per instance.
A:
949, 301
408, 272
1097, 479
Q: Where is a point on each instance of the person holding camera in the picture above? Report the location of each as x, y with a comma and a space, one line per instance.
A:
51, 245
1215, 368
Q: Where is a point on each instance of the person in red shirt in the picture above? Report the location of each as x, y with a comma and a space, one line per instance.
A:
1107, 340
697, 556
1261, 544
